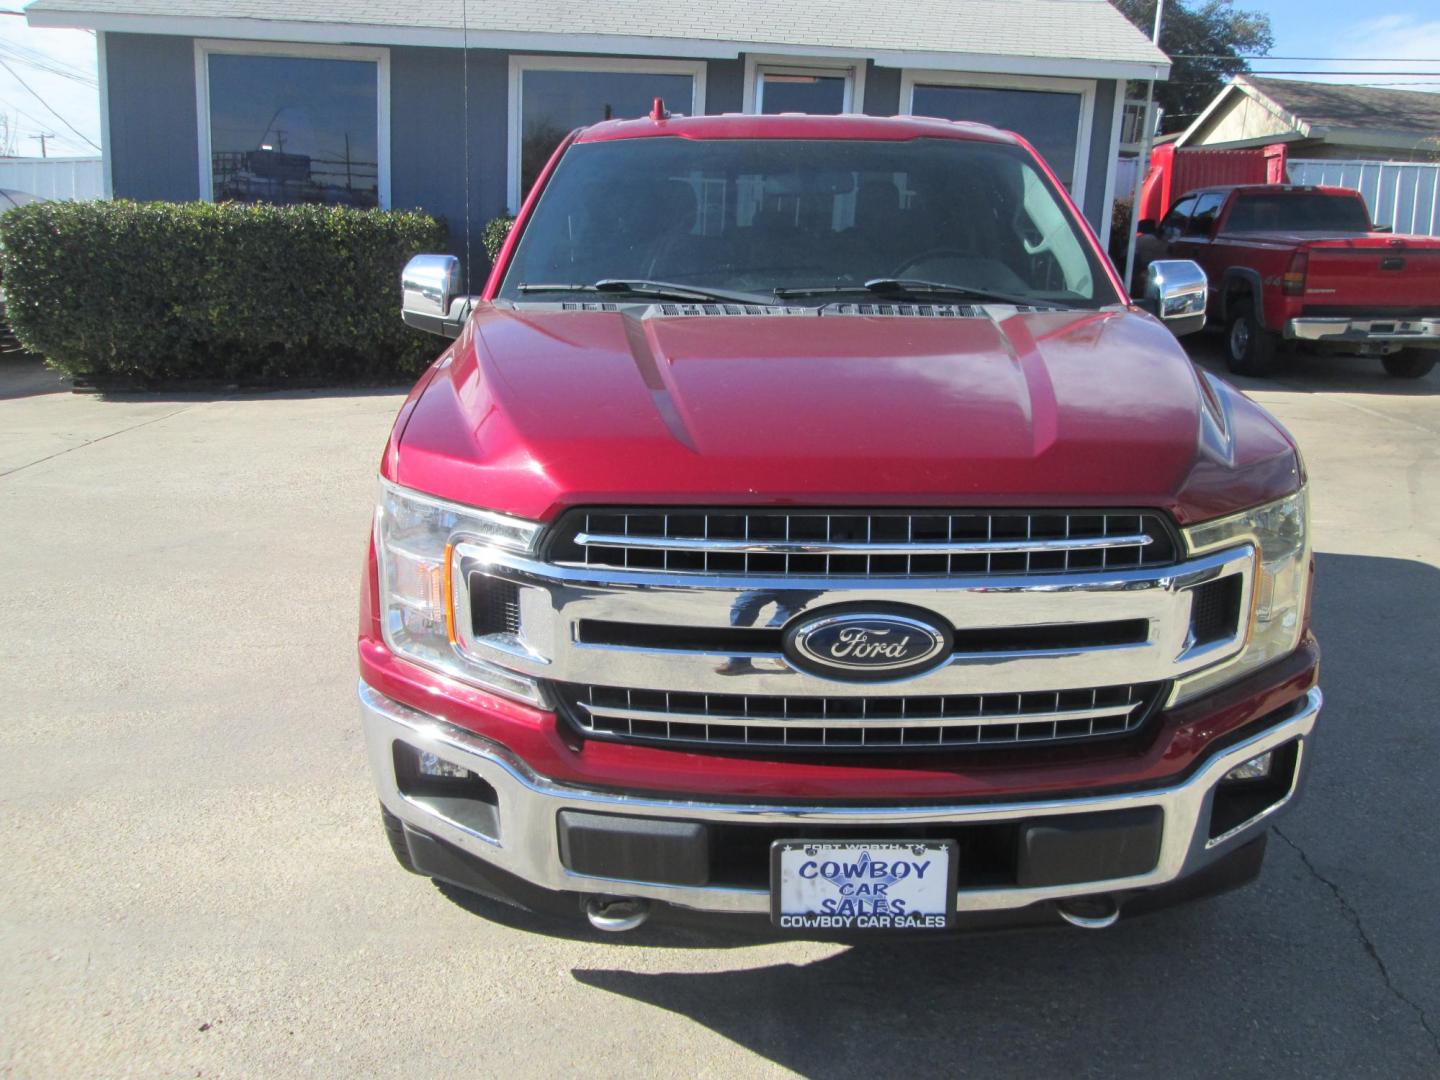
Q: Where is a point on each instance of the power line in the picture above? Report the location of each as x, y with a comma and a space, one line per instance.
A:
1334, 71
1403, 82
47, 63
47, 105
1337, 59
38, 123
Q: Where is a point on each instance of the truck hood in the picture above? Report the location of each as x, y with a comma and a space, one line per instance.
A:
536, 408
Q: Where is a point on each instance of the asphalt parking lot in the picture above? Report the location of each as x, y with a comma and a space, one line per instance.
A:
195, 881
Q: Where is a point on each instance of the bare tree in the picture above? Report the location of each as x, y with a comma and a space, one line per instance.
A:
9, 132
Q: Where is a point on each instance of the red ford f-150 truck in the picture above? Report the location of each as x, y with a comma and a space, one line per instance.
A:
1304, 265
803, 529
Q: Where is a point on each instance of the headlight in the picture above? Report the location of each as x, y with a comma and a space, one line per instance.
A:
415, 541
1277, 614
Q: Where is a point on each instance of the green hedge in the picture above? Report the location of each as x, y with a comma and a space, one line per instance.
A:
496, 230
156, 292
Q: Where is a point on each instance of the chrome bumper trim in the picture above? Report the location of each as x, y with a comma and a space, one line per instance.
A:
1421, 332
528, 841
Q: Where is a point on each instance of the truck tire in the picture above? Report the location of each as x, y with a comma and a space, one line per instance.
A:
1409, 363
1249, 347
395, 833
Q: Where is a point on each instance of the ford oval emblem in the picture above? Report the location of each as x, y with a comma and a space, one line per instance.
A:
868, 642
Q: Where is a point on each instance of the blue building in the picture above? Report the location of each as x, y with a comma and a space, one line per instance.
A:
453, 106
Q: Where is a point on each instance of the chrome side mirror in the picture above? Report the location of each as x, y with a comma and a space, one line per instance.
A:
431, 295
1176, 291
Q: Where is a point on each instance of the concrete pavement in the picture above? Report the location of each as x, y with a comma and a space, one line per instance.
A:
195, 881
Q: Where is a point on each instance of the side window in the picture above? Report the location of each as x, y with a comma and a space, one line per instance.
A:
1174, 221
1203, 219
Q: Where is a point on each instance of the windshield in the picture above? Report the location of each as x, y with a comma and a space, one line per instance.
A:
759, 215
1298, 212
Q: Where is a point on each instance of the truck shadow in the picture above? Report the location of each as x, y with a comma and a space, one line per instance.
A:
1270, 980
1313, 373
654, 935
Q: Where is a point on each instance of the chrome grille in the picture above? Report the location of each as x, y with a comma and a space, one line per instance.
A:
856, 723
819, 543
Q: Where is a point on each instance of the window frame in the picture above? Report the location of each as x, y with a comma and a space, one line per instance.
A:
1085, 88
563, 187
519, 64
379, 56
758, 65
1184, 221
1196, 213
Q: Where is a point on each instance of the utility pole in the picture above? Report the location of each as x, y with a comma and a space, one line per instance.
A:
1145, 142
42, 137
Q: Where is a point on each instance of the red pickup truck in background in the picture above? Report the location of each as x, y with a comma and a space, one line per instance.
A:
1305, 265
803, 528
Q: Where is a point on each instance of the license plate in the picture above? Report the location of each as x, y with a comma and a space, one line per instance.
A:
863, 884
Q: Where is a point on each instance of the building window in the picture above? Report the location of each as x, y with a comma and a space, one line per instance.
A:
1052, 114
799, 91
551, 96
301, 125
820, 87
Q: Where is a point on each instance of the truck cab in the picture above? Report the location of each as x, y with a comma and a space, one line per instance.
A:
802, 530
1304, 266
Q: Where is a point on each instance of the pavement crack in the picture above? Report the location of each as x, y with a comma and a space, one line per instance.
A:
92, 442
1353, 917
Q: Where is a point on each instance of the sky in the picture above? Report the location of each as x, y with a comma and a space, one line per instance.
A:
78, 102
1303, 28
1341, 28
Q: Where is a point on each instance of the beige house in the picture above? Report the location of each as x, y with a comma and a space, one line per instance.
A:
1320, 120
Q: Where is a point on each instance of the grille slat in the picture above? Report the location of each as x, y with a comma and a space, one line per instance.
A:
776, 721
860, 721
863, 544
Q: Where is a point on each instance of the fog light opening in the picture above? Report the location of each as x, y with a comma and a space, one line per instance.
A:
1252, 790
1257, 768
431, 765
447, 790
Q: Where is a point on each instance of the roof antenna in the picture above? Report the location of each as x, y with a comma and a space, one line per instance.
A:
658, 111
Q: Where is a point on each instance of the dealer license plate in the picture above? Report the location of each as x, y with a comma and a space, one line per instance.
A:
862, 884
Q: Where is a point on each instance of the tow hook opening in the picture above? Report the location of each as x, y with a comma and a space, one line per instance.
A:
1090, 912
616, 914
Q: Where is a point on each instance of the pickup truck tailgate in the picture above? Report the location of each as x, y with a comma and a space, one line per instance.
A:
1373, 274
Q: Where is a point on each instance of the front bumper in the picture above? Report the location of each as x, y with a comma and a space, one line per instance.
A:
516, 829
1405, 332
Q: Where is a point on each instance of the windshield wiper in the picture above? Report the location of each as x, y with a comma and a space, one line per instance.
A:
659, 290
917, 287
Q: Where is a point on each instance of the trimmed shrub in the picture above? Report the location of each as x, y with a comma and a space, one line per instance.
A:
1120, 212
496, 230
233, 292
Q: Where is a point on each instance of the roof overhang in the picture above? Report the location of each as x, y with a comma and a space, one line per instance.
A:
1390, 140
1300, 128
587, 44
1236, 89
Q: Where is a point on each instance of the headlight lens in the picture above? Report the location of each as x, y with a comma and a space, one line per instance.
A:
1277, 616
415, 540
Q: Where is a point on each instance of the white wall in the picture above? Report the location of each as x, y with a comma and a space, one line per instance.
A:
1403, 195
54, 178
1125, 170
